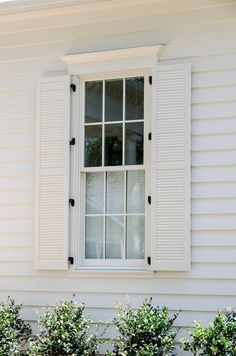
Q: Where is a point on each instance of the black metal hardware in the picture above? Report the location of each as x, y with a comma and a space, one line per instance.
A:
72, 202
150, 79
149, 199
150, 136
72, 141
149, 260
71, 260
73, 87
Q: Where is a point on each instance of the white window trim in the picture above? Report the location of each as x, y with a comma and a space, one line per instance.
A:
112, 60
103, 65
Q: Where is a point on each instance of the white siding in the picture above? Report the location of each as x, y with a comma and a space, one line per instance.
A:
201, 33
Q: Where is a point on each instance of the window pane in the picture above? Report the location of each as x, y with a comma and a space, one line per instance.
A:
114, 237
134, 143
135, 191
115, 193
93, 101
94, 193
94, 237
113, 145
114, 100
93, 146
134, 98
135, 237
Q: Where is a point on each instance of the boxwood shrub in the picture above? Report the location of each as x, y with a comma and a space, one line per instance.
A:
14, 332
146, 331
216, 339
64, 331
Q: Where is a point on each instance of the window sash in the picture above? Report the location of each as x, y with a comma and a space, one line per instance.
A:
125, 214
112, 263
103, 124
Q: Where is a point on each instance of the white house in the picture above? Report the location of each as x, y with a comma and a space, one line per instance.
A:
118, 154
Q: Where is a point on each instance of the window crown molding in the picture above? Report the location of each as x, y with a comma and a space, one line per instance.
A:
123, 53
110, 60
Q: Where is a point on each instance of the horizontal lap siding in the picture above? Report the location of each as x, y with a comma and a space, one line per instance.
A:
201, 33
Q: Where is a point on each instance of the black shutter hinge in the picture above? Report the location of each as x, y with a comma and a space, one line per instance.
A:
73, 87
71, 260
149, 260
72, 202
72, 141
150, 79
149, 199
150, 136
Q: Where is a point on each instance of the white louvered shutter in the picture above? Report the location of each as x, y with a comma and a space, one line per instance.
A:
171, 149
52, 177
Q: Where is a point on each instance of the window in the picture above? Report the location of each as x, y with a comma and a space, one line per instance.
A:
113, 170
113, 167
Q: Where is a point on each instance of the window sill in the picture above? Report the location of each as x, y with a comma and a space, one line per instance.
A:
85, 272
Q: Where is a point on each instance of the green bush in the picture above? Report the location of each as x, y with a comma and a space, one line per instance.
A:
64, 331
146, 331
14, 332
217, 339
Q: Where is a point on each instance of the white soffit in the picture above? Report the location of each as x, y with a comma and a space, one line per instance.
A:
29, 7
18, 6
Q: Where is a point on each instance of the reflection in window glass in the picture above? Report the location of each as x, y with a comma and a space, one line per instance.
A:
134, 98
115, 192
134, 143
93, 101
115, 237
94, 237
114, 100
135, 237
93, 146
135, 191
113, 144
94, 193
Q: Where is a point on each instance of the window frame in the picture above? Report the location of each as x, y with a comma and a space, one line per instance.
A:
107, 64
81, 262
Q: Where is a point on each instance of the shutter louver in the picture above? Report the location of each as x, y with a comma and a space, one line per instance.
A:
171, 149
52, 178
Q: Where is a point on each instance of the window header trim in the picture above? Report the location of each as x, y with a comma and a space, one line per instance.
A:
123, 53
112, 60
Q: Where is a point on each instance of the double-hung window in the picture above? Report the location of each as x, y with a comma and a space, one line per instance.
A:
126, 173
114, 170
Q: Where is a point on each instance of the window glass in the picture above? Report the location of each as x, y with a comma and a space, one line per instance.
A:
93, 146
114, 237
115, 193
93, 237
135, 191
94, 193
135, 236
114, 100
93, 101
113, 145
134, 98
134, 143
